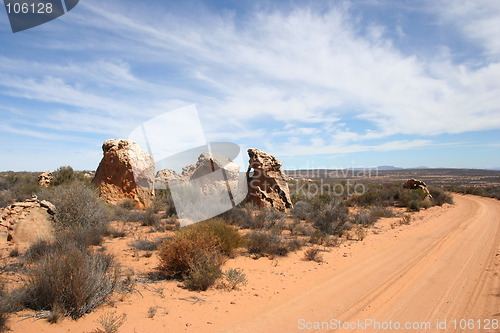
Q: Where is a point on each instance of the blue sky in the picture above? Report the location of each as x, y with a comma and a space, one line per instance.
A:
325, 84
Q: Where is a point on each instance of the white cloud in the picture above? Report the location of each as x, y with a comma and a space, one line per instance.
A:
479, 20
306, 67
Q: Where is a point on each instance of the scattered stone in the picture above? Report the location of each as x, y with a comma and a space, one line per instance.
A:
125, 172
45, 179
267, 186
27, 221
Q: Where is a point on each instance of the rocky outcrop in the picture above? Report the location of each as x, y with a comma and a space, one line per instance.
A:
27, 221
125, 172
45, 179
167, 176
414, 184
267, 186
207, 163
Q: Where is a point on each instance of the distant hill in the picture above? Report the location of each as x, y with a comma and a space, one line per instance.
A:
387, 168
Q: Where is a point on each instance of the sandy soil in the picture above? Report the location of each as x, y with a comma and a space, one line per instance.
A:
445, 265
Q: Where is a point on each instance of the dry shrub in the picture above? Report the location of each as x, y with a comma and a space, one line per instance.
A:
204, 270
227, 236
263, 242
234, 278
440, 197
80, 214
406, 219
110, 322
360, 232
145, 245
4, 312
177, 253
70, 279
330, 218
313, 254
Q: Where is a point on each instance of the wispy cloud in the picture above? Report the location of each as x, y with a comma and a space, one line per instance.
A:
299, 80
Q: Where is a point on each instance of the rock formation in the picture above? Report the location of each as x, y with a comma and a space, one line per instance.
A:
267, 184
125, 172
27, 221
414, 184
45, 179
206, 164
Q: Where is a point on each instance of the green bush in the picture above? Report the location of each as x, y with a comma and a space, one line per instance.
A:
440, 197
64, 174
71, 280
414, 205
228, 237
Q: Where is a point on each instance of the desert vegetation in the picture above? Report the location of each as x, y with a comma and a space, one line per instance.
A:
74, 273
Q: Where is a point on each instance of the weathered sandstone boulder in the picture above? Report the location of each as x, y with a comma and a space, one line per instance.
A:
45, 179
125, 172
414, 184
209, 162
167, 176
27, 221
267, 184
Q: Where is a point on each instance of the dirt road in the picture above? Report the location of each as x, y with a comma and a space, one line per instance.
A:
440, 276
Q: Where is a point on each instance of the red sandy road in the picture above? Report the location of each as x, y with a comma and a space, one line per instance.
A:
444, 269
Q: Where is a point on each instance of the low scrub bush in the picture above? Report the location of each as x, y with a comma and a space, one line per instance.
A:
313, 254
178, 253
440, 197
239, 216
484, 191
80, 214
150, 218
414, 205
227, 236
360, 232
145, 245
5, 198
63, 175
204, 270
406, 219
37, 250
71, 280
163, 202
330, 218
364, 217
3, 309
263, 242
234, 278
302, 210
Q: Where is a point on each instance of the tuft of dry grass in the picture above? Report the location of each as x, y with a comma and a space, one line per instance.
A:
110, 322
313, 254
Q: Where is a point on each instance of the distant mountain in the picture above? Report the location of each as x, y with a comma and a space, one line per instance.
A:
387, 168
